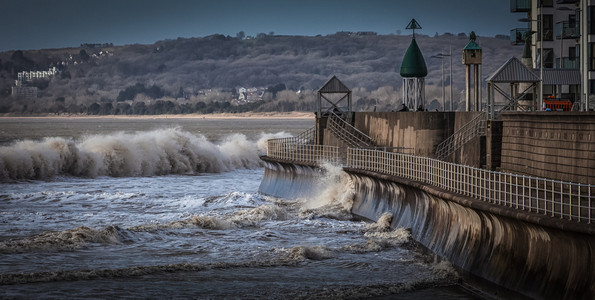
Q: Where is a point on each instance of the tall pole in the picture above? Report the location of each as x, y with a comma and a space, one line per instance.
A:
468, 87
443, 103
583, 56
540, 24
450, 79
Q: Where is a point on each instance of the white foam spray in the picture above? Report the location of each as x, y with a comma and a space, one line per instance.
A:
146, 153
337, 189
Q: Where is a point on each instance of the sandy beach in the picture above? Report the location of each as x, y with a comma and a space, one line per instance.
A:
247, 115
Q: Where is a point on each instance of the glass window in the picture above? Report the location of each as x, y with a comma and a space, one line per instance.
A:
548, 27
591, 86
547, 3
572, 53
590, 23
548, 57
591, 58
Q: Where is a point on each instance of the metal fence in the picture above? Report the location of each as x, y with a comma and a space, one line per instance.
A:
472, 129
306, 137
564, 200
305, 153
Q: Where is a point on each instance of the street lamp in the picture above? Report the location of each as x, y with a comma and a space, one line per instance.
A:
442, 56
540, 28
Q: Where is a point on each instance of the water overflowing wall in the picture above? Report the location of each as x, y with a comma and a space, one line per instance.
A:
535, 260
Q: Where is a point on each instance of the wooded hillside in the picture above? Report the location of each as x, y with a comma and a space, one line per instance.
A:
204, 74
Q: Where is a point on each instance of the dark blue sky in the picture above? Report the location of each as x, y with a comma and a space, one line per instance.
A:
37, 24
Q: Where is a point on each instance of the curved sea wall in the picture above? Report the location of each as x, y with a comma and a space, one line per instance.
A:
537, 261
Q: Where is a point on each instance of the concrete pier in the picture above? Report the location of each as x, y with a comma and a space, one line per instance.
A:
515, 205
541, 262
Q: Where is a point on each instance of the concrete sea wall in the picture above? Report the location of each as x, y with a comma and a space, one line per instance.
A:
557, 145
538, 261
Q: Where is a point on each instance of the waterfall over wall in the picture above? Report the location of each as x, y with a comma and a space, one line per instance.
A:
538, 261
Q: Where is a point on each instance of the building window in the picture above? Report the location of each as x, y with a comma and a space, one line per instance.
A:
547, 3
572, 53
548, 27
548, 58
591, 57
590, 21
591, 86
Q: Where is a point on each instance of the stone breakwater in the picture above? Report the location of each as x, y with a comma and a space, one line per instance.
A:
525, 257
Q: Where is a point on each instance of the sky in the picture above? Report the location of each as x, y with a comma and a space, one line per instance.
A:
42, 24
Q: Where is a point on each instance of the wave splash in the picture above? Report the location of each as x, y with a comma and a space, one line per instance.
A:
147, 153
70, 239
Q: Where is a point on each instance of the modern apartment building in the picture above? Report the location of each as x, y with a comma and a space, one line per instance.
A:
563, 41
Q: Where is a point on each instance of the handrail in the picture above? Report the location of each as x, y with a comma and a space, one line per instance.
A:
305, 153
557, 199
348, 133
475, 127
306, 137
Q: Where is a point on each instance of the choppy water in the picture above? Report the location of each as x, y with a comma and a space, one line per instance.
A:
169, 212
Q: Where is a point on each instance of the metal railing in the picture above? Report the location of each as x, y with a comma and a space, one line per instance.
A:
472, 129
305, 153
564, 200
347, 133
558, 199
306, 137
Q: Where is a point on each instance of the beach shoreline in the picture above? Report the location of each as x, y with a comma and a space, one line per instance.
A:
247, 115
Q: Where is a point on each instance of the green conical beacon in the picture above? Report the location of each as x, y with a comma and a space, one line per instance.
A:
413, 71
414, 64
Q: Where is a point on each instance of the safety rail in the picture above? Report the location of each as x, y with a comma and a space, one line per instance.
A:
472, 129
564, 200
306, 137
305, 153
347, 132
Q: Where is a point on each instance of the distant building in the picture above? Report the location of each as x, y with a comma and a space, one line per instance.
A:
24, 91
250, 94
567, 42
31, 75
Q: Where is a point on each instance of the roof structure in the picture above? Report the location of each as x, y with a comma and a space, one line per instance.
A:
560, 76
472, 45
334, 85
513, 71
414, 64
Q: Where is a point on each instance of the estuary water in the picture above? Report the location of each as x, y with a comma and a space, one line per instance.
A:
170, 208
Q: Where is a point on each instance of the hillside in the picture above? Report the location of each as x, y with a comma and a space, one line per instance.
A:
204, 74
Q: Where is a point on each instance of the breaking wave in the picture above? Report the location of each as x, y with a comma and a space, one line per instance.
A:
73, 275
64, 240
147, 153
335, 199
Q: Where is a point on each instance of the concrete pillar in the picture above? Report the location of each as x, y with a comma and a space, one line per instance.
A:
476, 87
467, 88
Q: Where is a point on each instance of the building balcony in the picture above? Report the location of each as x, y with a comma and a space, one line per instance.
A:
517, 36
567, 30
568, 63
520, 5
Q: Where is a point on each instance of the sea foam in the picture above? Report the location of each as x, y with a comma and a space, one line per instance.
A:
122, 154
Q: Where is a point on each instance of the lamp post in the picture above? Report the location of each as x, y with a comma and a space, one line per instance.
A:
442, 56
540, 28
